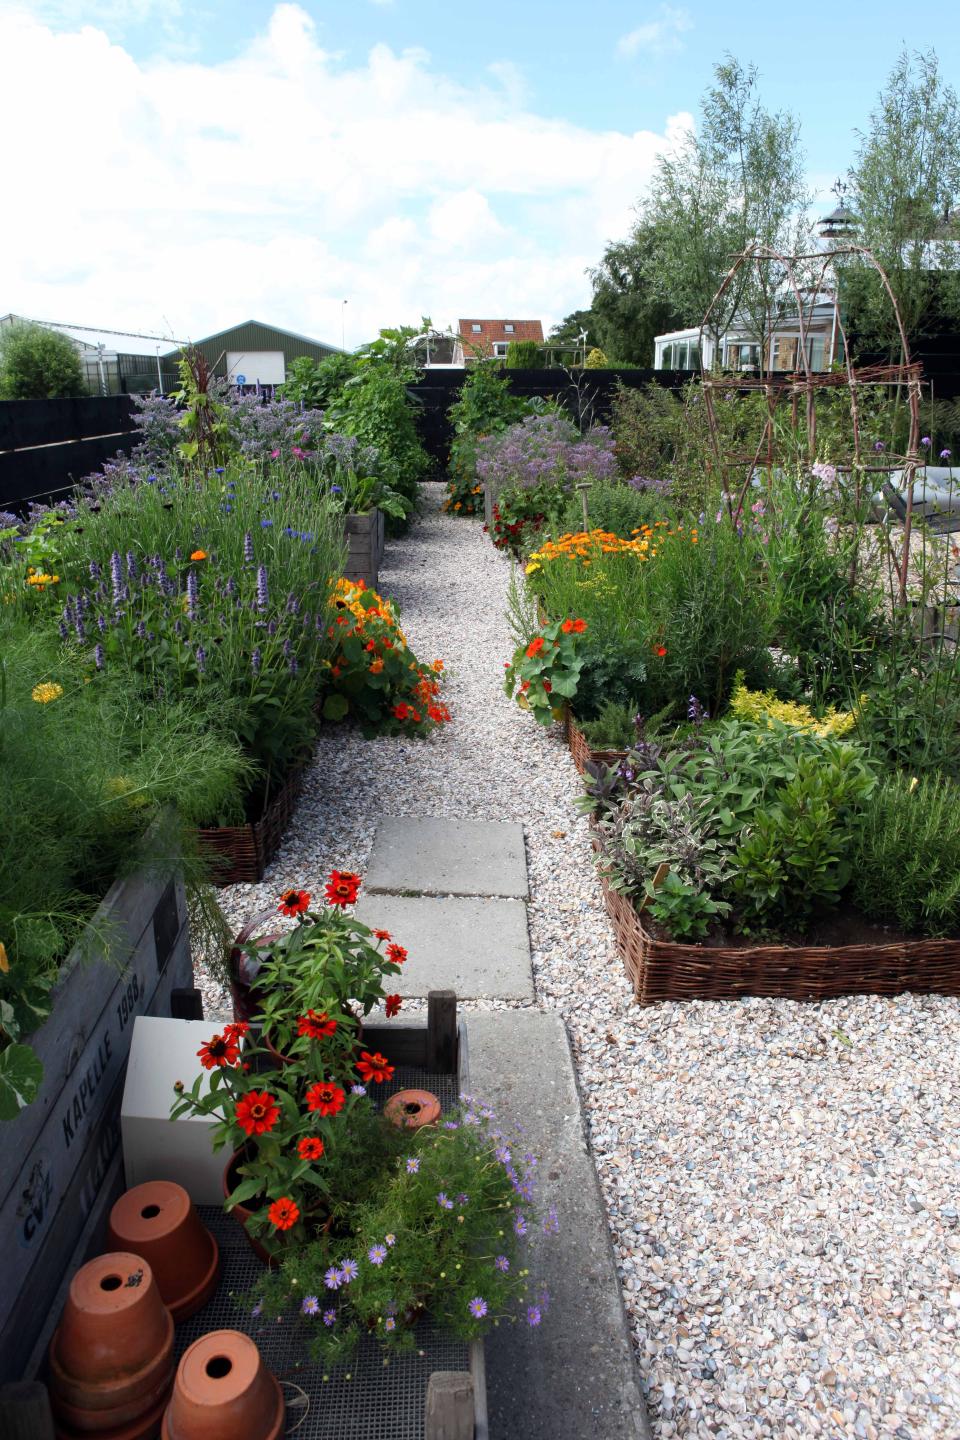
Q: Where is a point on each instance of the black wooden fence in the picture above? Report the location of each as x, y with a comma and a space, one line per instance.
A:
46, 445
587, 394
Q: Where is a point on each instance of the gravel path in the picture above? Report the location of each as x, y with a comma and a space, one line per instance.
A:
782, 1181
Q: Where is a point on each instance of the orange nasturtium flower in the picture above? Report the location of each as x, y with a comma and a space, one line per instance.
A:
199, 555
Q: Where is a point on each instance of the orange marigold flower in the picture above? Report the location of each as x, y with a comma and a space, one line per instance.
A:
199, 555
257, 1112
374, 1067
343, 887
392, 1006
316, 1024
284, 1214
220, 1050
326, 1098
310, 1147
396, 954
293, 902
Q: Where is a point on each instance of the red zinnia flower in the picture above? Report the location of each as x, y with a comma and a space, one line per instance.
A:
382, 935
219, 1050
535, 647
317, 1025
393, 1004
310, 1147
326, 1098
342, 887
396, 953
284, 1213
257, 1112
293, 902
237, 1028
374, 1067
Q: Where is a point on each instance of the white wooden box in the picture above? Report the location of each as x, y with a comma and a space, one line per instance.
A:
154, 1146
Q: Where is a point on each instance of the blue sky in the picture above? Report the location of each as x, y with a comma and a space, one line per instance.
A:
409, 156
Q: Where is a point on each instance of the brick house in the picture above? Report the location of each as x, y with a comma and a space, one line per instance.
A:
490, 338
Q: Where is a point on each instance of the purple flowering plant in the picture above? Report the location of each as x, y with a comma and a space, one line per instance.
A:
445, 1235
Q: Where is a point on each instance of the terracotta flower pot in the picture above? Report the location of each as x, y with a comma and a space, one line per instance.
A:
412, 1109
111, 1359
158, 1221
242, 1213
223, 1391
280, 1059
145, 1427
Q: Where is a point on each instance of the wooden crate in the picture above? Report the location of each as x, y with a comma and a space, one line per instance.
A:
59, 1169
365, 540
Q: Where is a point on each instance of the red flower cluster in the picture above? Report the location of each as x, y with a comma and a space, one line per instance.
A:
343, 887
318, 1026
374, 1067
573, 627
326, 1098
535, 647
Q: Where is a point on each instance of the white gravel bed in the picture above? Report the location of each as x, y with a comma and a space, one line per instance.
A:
782, 1181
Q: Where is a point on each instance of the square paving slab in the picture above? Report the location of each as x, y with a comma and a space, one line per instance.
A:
473, 946
448, 857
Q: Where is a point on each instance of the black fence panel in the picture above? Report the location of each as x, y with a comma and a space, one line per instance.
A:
49, 472
587, 394
25, 423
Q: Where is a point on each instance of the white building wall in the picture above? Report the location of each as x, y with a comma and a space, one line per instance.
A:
263, 366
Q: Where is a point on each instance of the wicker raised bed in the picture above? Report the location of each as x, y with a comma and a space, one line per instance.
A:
581, 750
241, 853
663, 970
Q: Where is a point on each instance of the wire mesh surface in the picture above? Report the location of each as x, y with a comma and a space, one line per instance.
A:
378, 1402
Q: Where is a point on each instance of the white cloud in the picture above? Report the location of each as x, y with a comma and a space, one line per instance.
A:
657, 37
283, 179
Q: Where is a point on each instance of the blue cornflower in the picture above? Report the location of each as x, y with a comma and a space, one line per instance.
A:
463, 1199
878, 446
218, 470
336, 489
265, 523
377, 1254
478, 1307
925, 441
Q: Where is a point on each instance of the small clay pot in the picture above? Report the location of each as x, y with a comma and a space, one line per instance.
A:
159, 1222
223, 1389
412, 1109
145, 1427
241, 1213
111, 1359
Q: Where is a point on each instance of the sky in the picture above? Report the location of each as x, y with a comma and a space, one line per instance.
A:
334, 166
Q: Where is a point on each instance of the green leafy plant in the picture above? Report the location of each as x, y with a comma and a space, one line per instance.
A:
614, 728
906, 861
543, 674
522, 355
685, 911
37, 363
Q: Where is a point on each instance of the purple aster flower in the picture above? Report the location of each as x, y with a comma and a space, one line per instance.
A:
463, 1199
248, 548
551, 1226
358, 1089
413, 1165
502, 1154
257, 1309
443, 1202
502, 1263
377, 1254
450, 1125
945, 454
478, 1307
329, 1317
98, 656
878, 446
389, 1323
349, 1270
519, 1224
310, 1305
470, 1118
925, 441
390, 1239
263, 596
333, 1279
533, 1315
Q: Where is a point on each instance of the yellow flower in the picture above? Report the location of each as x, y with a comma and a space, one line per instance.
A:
913, 784
46, 692
4, 962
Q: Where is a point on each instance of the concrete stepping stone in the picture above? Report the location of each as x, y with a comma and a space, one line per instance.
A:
472, 945
425, 856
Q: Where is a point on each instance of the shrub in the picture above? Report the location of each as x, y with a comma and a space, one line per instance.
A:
375, 408
38, 364
645, 425
522, 355
484, 407
596, 359
906, 862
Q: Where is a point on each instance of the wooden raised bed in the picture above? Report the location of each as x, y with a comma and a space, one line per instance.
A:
665, 970
240, 854
61, 1154
365, 540
580, 749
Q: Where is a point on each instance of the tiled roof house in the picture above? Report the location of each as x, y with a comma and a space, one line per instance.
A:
490, 338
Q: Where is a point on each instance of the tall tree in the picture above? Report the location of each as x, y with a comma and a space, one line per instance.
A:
737, 181
629, 306
904, 184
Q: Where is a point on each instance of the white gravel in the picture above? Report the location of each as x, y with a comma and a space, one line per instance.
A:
782, 1180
